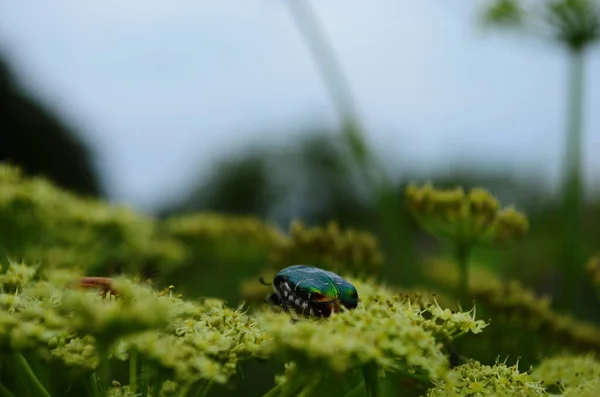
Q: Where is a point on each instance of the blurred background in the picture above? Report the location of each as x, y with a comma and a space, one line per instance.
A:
302, 110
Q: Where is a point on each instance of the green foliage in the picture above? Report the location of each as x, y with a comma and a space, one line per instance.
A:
57, 338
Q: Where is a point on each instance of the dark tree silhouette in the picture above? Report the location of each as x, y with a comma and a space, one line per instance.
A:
35, 139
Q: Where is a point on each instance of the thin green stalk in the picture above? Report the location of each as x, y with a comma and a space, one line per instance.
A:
207, 389
371, 380
274, 391
185, 390
572, 264
312, 386
145, 379
95, 388
34, 381
358, 391
462, 254
392, 219
133, 371
5, 392
103, 374
158, 379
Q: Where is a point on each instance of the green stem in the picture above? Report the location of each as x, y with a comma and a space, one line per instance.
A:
423, 379
34, 381
357, 391
5, 392
573, 192
207, 389
133, 372
393, 220
145, 379
94, 382
462, 254
185, 390
307, 391
371, 380
273, 391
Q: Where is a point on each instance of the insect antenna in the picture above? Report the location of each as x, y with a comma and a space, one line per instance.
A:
263, 282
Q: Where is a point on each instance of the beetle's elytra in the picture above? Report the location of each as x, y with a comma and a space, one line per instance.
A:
310, 290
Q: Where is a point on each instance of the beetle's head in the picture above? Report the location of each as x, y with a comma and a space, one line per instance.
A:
349, 298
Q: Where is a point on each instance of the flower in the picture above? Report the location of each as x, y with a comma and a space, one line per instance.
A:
474, 378
567, 371
465, 218
347, 251
385, 330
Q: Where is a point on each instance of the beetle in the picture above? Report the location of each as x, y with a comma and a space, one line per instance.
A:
310, 290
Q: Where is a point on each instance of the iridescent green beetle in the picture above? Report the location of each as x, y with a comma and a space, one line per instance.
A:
310, 290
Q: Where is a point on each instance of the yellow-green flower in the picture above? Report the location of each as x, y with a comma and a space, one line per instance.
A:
347, 251
384, 330
465, 218
567, 371
499, 380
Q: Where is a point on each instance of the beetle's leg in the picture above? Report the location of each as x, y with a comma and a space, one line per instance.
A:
263, 282
275, 299
287, 309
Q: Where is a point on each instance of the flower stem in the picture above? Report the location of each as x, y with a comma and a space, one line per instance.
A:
274, 391
133, 372
4, 392
307, 390
462, 254
357, 391
94, 382
572, 184
145, 379
35, 382
361, 157
207, 389
370, 380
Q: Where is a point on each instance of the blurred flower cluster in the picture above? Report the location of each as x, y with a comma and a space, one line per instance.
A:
475, 379
48, 225
386, 329
133, 339
575, 23
509, 301
48, 316
470, 219
349, 251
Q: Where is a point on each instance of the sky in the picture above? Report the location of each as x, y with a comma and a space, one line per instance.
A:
161, 90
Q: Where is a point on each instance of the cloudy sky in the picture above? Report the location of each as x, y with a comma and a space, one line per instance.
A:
162, 89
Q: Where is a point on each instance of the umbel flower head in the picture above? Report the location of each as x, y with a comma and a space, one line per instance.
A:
467, 218
48, 316
510, 301
476, 379
347, 251
385, 330
575, 23
567, 371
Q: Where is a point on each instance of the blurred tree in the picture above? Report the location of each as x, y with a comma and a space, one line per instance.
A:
308, 180
35, 139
